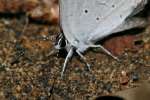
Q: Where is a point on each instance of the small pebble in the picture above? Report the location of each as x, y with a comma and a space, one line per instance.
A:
108, 86
42, 98
27, 88
134, 76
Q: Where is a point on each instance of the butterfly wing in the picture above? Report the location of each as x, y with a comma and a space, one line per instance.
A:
116, 17
131, 23
68, 8
139, 7
90, 20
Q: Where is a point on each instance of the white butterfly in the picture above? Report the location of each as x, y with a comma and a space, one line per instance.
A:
84, 22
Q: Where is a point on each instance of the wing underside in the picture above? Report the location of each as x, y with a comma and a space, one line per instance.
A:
88, 20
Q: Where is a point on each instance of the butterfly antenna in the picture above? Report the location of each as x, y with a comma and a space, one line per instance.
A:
106, 51
84, 59
69, 55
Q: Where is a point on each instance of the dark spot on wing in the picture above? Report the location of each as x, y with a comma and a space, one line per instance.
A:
113, 6
97, 18
86, 11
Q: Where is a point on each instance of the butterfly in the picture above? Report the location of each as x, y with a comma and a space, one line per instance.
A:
84, 22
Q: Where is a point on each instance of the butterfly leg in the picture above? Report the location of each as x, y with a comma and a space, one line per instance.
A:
105, 50
69, 55
84, 59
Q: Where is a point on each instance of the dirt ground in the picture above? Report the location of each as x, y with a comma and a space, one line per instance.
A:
30, 66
